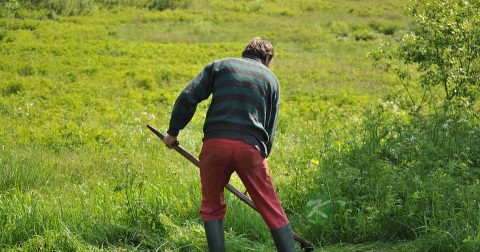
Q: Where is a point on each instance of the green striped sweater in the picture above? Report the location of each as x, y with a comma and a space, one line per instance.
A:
244, 105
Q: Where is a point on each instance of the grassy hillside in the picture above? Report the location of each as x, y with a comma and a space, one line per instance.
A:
80, 171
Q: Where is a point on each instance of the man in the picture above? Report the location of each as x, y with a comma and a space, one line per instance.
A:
238, 135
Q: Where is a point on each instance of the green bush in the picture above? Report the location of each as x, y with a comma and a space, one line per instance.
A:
61, 7
168, 4
151, 4
442, 49
13, 89
405, 179
363, 34
339, 28
26, 70
385, 28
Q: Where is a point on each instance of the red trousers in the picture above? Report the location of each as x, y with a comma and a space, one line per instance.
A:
219, 158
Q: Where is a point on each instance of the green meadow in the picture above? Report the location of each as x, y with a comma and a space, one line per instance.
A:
79, 170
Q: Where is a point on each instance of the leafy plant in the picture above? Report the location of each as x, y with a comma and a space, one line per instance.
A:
61, 7
13, 89
444, 48
401, 178
381, 27
363, 34
168, 4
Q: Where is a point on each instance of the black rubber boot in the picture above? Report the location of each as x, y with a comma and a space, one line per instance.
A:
215, 236
283, 238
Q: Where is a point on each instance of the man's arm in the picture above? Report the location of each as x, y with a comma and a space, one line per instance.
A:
196, 91
272, 124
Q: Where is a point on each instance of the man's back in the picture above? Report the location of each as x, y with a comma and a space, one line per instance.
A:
244, 104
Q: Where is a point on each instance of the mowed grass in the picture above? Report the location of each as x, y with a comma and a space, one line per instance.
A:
80, 171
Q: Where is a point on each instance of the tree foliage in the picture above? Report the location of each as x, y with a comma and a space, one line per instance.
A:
443, 47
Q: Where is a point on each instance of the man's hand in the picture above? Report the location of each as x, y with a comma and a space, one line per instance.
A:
170, 141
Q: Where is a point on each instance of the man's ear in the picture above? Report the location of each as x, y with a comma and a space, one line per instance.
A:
267, 60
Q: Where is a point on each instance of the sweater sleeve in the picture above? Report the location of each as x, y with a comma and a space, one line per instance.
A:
196, 91
272, 124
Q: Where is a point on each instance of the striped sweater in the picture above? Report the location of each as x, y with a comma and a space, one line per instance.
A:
244, 105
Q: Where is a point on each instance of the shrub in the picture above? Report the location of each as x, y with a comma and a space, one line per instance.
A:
339, 28
61, 7
26, 70
387, 29
168, 4
443, 48
145, 84
8, 6
13, 89
151, 4
363, 34
404, 179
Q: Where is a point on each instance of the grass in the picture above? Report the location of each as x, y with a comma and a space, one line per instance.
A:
80, 171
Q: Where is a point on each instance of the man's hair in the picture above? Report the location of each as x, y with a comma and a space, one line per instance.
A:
259, 47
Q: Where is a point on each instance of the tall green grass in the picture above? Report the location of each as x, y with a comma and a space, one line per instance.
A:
398, 178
